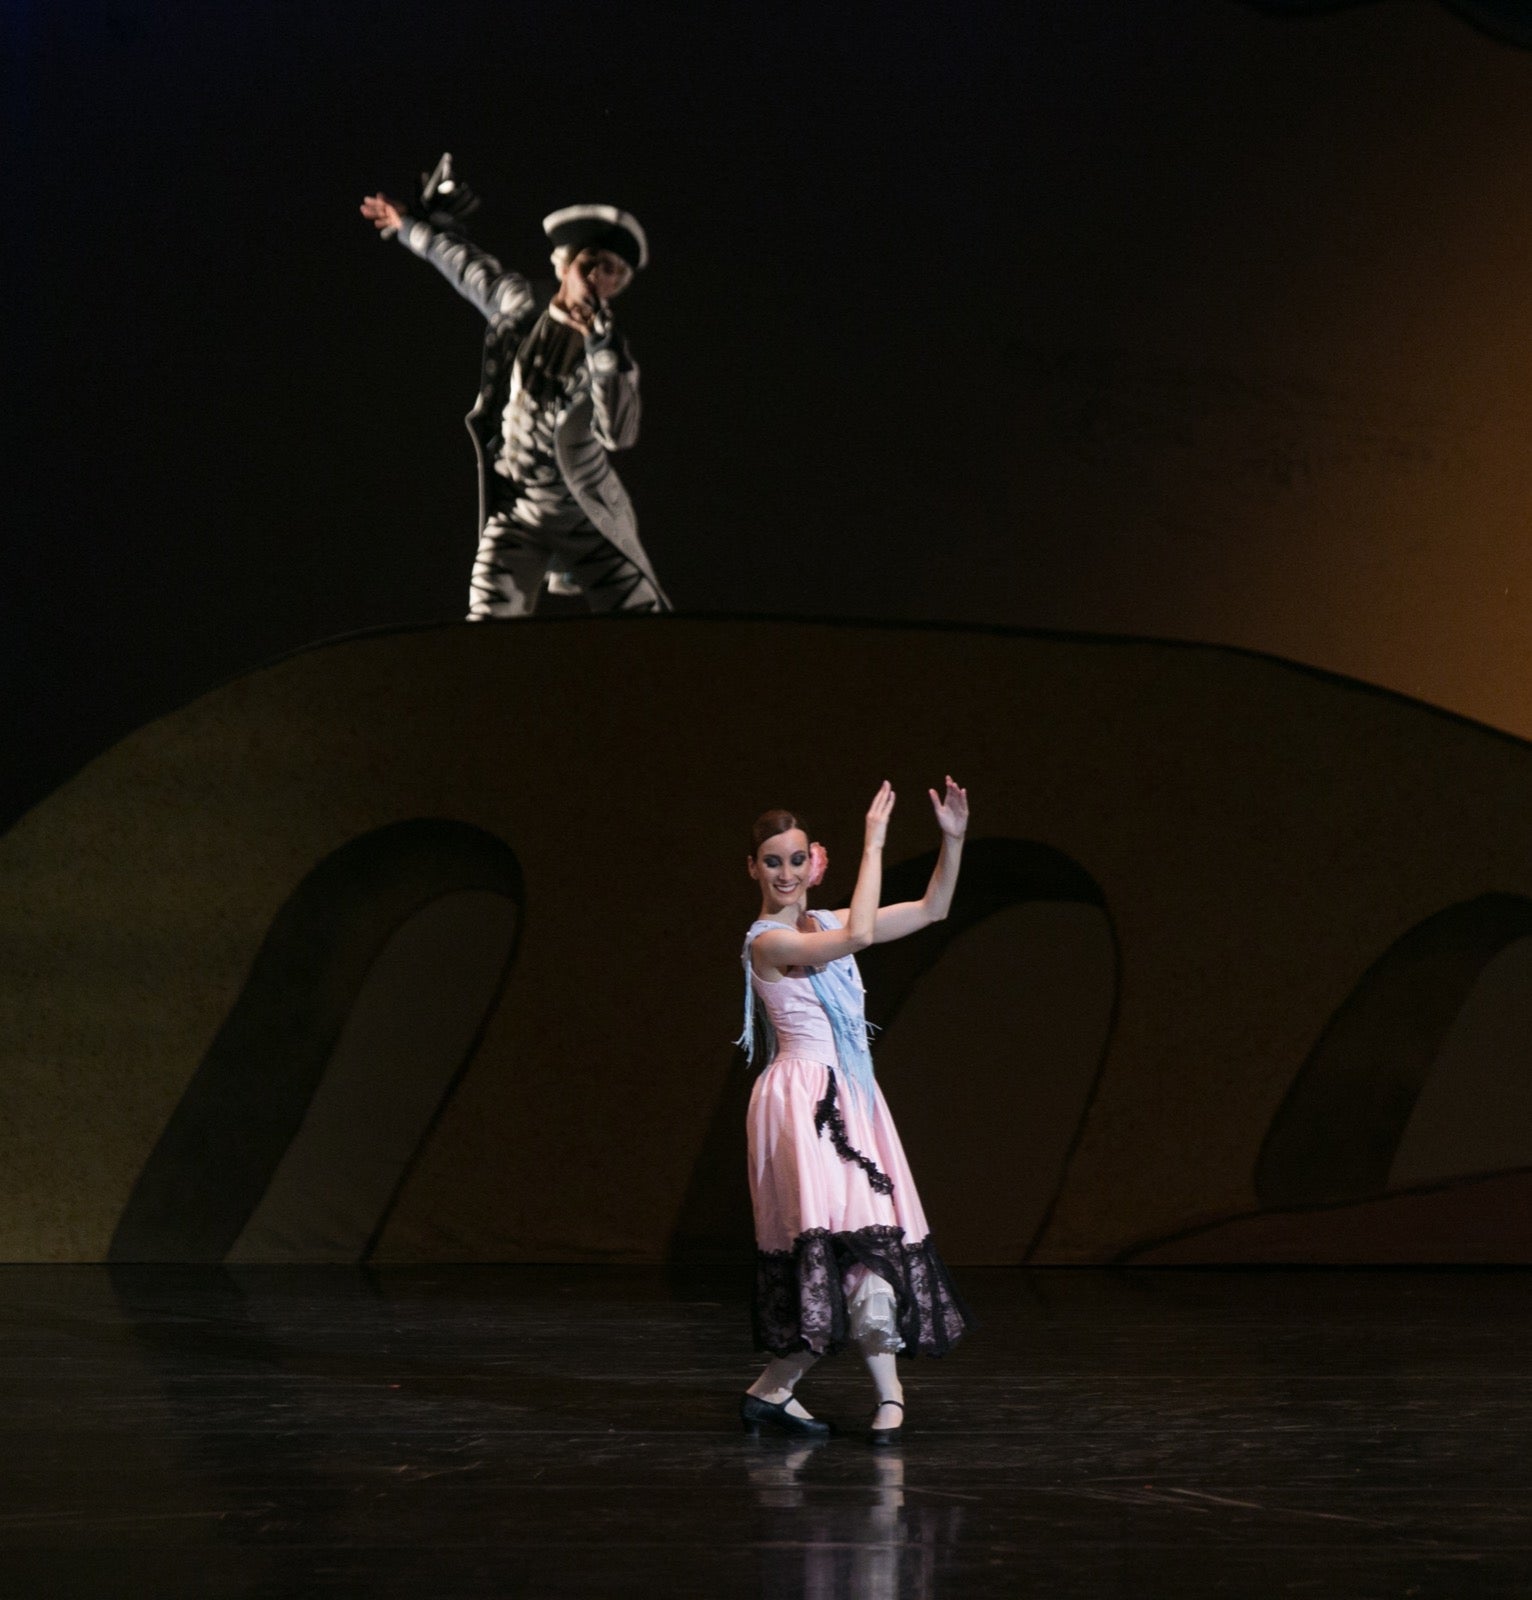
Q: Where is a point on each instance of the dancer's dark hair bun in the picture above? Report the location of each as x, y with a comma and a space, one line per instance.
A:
770, 823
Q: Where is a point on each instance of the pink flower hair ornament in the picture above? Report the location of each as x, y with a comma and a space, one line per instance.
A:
819, 864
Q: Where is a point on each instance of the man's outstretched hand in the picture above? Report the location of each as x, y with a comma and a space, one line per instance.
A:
384, 214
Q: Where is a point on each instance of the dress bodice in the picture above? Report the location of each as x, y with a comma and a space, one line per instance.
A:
795, 1003
798, 1020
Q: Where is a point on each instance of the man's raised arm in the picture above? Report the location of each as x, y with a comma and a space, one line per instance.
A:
474, 273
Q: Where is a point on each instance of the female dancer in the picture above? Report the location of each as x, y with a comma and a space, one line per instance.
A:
843, 1252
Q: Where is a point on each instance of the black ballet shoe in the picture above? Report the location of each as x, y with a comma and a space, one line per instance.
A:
886, 1435
756, 1414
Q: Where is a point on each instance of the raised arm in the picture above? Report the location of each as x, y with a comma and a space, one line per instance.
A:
786, 947
474, 273
910, 916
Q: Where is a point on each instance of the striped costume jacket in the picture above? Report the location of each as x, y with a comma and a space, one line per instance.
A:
598, 409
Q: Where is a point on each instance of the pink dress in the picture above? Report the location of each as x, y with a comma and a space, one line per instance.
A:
843, 1252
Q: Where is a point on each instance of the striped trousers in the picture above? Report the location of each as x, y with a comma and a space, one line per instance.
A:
513, 561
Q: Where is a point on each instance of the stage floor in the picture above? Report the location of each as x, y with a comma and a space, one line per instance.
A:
530, 1431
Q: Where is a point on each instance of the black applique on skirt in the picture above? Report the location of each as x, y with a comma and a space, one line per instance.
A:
827, 1119
800, 1296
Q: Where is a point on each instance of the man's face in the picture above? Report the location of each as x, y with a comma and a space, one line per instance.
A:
595, 275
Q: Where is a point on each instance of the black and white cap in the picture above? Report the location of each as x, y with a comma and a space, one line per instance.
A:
602, 227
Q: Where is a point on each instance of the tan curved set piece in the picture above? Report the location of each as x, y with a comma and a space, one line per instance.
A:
424, 946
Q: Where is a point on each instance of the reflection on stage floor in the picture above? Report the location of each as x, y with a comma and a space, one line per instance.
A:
497, 1431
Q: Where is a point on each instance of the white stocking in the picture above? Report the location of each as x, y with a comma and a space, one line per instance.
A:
885, 1379
779, 1377
885, 1376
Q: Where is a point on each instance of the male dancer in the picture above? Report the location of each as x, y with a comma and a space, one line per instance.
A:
559, 389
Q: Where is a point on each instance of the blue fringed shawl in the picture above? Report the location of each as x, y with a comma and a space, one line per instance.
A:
838, 988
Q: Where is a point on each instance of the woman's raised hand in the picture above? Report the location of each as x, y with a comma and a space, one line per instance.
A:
878, 813
382, 212
951, 809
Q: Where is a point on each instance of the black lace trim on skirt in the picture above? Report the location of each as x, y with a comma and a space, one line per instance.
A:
800, 1294
827, 1116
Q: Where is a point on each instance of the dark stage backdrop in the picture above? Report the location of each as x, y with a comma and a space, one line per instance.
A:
1177, 319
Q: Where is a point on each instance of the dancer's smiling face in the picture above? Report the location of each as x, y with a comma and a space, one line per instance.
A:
781, 867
